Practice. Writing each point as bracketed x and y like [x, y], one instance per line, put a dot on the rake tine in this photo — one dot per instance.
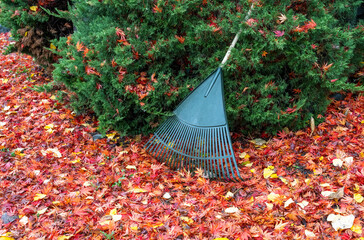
[178, 142]
[221, 155]
[198, 152]
[187, 149]
[228, 154]
[180, 159]
[223, 159]
[170, 143]
[215, 151]
[204, 145]
[154, 148]
[211, 156]
[192, 152]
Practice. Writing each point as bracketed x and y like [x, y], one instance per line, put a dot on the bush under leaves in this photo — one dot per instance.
[33, 28]
[132, 62]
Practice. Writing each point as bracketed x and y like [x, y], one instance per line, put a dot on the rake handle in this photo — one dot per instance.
[228, 53]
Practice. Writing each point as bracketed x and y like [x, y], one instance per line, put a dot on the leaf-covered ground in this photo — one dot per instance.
[59, 181]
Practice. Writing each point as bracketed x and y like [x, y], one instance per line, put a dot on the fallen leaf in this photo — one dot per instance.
[138, 190]
[288, 202]
[337, 162]
[33, 8]
[232, 210]
[273, 196]
[229, 195]
[357, 229]
[23, 220]
[267, 172]
[167, 196]
[64, 237]
[116, 218]
[40, 212]
[341, 222]
[303, 204]
[187, 220]
[309, 234]
[349, 160]
[358, 197]
[39, 196]
[131, 167]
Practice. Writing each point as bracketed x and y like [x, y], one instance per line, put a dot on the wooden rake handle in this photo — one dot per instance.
[228, 53]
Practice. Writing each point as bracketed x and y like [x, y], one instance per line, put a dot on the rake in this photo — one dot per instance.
[197, 135]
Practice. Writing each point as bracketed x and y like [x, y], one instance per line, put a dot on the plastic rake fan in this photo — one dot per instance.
[197, 135]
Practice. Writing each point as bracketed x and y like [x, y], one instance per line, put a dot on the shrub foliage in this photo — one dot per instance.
[33, 28]
[133, 61]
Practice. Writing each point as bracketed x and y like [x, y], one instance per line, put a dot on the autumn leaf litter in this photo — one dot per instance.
[57, 182]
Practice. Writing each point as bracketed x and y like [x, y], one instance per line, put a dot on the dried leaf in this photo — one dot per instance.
[232, 210]
[187, 220]
[39, 196]
[341, 222]
[337, 162]
[309, 234]
[358, 197]
[138, 190]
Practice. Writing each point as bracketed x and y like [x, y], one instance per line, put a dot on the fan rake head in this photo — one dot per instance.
[183, 146]
[197, 136]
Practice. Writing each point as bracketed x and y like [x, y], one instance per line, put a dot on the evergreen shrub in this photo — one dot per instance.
[33, 28]
[133, 61]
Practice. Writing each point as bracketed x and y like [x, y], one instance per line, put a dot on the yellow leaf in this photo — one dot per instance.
[274, 175]
[267, 172]
[64, 237]
[187, 220]
[56, 202]
[39, 196]
[284, 180]
[135, 228]
[307, 181]
[252, 170]
[40, 212]
[34, 8]
[49, 126]
[273, 196]
[52, 46]
[113, 211]
[25, 34]
[111, 135]
[6, 238]
[358, 197]
[104, 222]
[138, 190]
[158, 225]
[131, 167]
[357, 229]
[244, 155]
[75, 161]
[221, 239]
[53, 97]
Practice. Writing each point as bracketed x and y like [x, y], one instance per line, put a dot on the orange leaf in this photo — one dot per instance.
[157, 9]
[180, 39]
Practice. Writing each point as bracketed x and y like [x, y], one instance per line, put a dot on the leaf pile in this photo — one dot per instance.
[59, 181]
